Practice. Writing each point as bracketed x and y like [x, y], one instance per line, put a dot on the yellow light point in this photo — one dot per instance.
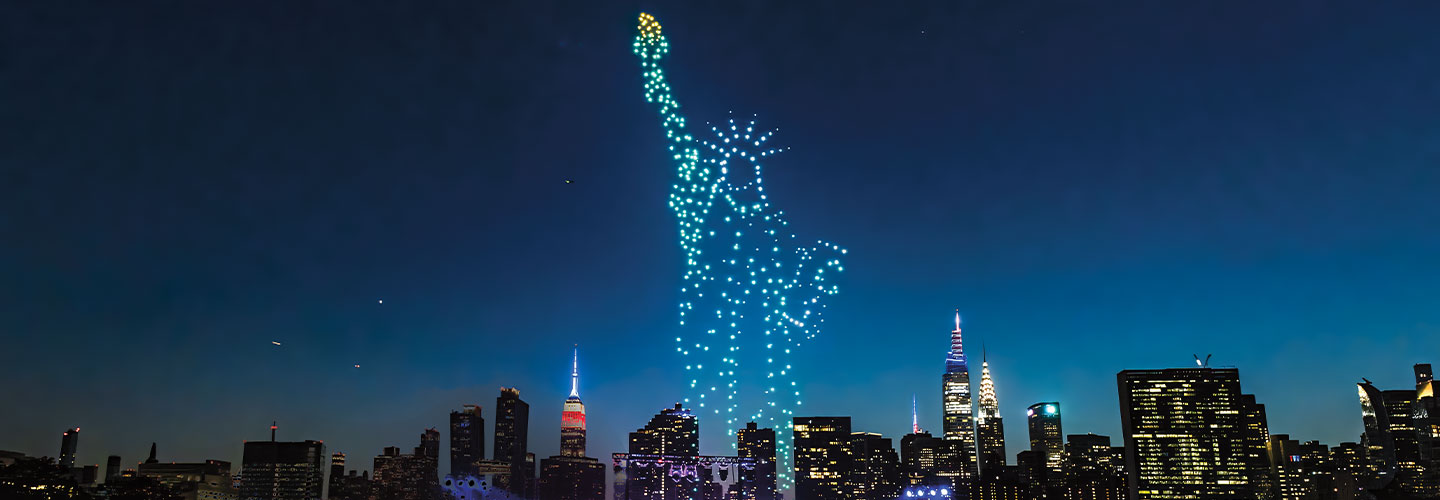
[649, 27]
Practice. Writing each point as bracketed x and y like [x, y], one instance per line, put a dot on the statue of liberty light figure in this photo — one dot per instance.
[751, 290]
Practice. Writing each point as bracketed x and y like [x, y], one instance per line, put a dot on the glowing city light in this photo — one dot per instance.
[750, 288]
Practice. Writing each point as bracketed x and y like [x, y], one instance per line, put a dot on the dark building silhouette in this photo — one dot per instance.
[822, 457]
[1047, 441]
[673, 432]
[958, 418]
[276, 470]
[874, 472]
[571, 478]
[467, 440]
[210, 479]
[409, 477]
[989, 427]
[1256, 436]
[1092, 469]
[1184, 433]
[759, 444]
[333, 484]
[512, 430]
[112, 467]
[152, 460]
[919, 456]
[69, 440]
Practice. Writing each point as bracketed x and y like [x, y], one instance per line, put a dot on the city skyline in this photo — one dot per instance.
[194, 246]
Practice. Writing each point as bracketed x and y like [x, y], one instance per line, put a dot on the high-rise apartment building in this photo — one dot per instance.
[822, 457]
[989, 427]
[958, 420]
[759, 444]
[277, 470]
[512, 430]
[1184, 433]
[467, 440]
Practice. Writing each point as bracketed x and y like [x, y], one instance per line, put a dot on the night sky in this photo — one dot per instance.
[1096, 186]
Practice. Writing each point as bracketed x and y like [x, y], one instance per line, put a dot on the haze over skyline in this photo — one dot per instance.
[198, 184]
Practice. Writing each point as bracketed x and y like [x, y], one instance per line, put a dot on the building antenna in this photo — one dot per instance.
[914, 415]
[272, 430]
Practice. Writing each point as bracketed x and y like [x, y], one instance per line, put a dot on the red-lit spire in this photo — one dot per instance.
[272, 430]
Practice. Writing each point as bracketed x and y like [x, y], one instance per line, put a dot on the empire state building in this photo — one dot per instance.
[572, 419]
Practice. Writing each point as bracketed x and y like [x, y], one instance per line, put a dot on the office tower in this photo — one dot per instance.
[68, 441]
[670, 442]
[822, 457]
[467, 440]
[210, 479]
[112, 467]
[337, 475]
[152, 460]
[572, 420]
[759, 444]
[1256, 438]
[512, 431]
[874, 472]
[1048, 442]
[958, 421]
[920, 457]
[1291, 481]
[429, 444]
[1427, 415]
[1394, 443]
[1350, 469]
[989, 427]
[673, 432]
[275, 470]
[1184, 433]
[1090, 469]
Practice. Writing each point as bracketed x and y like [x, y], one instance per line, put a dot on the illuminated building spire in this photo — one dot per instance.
[989, 405]
[575, 374]
[955, 362]
[914, 416]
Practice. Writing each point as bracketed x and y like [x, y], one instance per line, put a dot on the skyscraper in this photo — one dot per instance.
[337, 475]
[958, 422]
[1047, 440]
[512, 428]
[572, 420]
[274, 470]
[759, 444]
[874, 472]
[467, 440]
[68, 442]
[1184, 433]
[669, 443]
[989, 427]
[572, 475]
[673, 432]
[822, 457]
[920, 457]
[112, 467]
[1256, 436]
[1395, 441]
[1090, 469]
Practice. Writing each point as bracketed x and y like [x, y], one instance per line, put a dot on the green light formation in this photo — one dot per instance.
[751, 291]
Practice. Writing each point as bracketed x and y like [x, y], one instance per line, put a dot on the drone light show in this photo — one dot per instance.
[751, 290]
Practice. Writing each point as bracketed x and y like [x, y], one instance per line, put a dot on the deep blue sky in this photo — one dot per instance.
[1096, 186]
